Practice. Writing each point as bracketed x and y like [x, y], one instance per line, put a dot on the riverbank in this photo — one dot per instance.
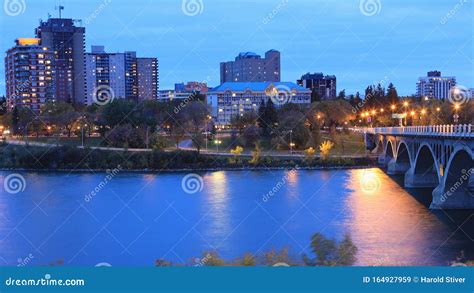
[72, 159]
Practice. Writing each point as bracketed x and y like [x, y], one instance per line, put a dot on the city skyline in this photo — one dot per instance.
[360, 48]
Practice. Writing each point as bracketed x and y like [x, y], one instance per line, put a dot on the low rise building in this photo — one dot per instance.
[235, 98]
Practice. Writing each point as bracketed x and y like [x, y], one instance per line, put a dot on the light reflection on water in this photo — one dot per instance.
[138, 218]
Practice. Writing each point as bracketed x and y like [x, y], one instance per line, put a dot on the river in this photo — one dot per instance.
[132, 219]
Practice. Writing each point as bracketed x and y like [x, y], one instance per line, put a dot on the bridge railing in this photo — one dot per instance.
[459, 130]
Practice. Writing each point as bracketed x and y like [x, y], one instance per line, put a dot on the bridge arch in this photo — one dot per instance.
[389, 153]
[403, 153]
[424, 171]
[459, 170]
[425, 162]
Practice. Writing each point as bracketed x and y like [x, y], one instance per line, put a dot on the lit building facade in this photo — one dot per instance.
[435, 86]
[29, 75]
[67, 41]
[126, 75]
[148, 78]
[250, 67]
[235, 98]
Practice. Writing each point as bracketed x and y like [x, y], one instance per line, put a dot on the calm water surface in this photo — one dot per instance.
[137, 218]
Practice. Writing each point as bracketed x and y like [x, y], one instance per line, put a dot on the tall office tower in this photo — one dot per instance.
[250, 67]
[29, 74]
[435, 86]
[324, 85]
[67, 41]
[147, 75]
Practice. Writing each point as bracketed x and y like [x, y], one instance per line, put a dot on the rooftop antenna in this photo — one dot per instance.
[59, 7]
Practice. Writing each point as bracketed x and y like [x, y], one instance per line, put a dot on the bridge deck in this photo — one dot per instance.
[461, 130]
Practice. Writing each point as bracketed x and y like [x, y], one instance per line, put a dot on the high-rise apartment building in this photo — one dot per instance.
[125, 75]
[250, 67]
[435, 86]
[324, 85]
[104, 70]
[148, 79]
[29, 74]
[67, 41]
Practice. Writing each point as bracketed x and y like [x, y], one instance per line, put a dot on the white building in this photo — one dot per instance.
[171, 95]
[435, 86]
[235, 98]
[104, 70]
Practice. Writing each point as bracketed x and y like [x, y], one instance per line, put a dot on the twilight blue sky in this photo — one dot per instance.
[402, 41]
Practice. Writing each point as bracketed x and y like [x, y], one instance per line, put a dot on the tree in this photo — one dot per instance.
[325, 148]
[15, 121]
[330, 253]
[341, 95]
[346, 252]
[61, 114]
[392, 95]
[240, 122]
[251, 135]
[269, 119]
[309, 154]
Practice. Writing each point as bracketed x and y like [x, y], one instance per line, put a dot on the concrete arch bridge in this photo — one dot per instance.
[438, 156]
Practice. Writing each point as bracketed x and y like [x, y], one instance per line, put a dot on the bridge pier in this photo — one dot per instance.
[417, 180]
[452, 198]
[397, 168]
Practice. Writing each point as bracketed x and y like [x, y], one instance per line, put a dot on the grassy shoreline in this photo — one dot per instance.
[72, 159]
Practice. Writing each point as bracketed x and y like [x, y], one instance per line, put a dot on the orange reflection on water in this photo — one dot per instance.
[386, 220]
